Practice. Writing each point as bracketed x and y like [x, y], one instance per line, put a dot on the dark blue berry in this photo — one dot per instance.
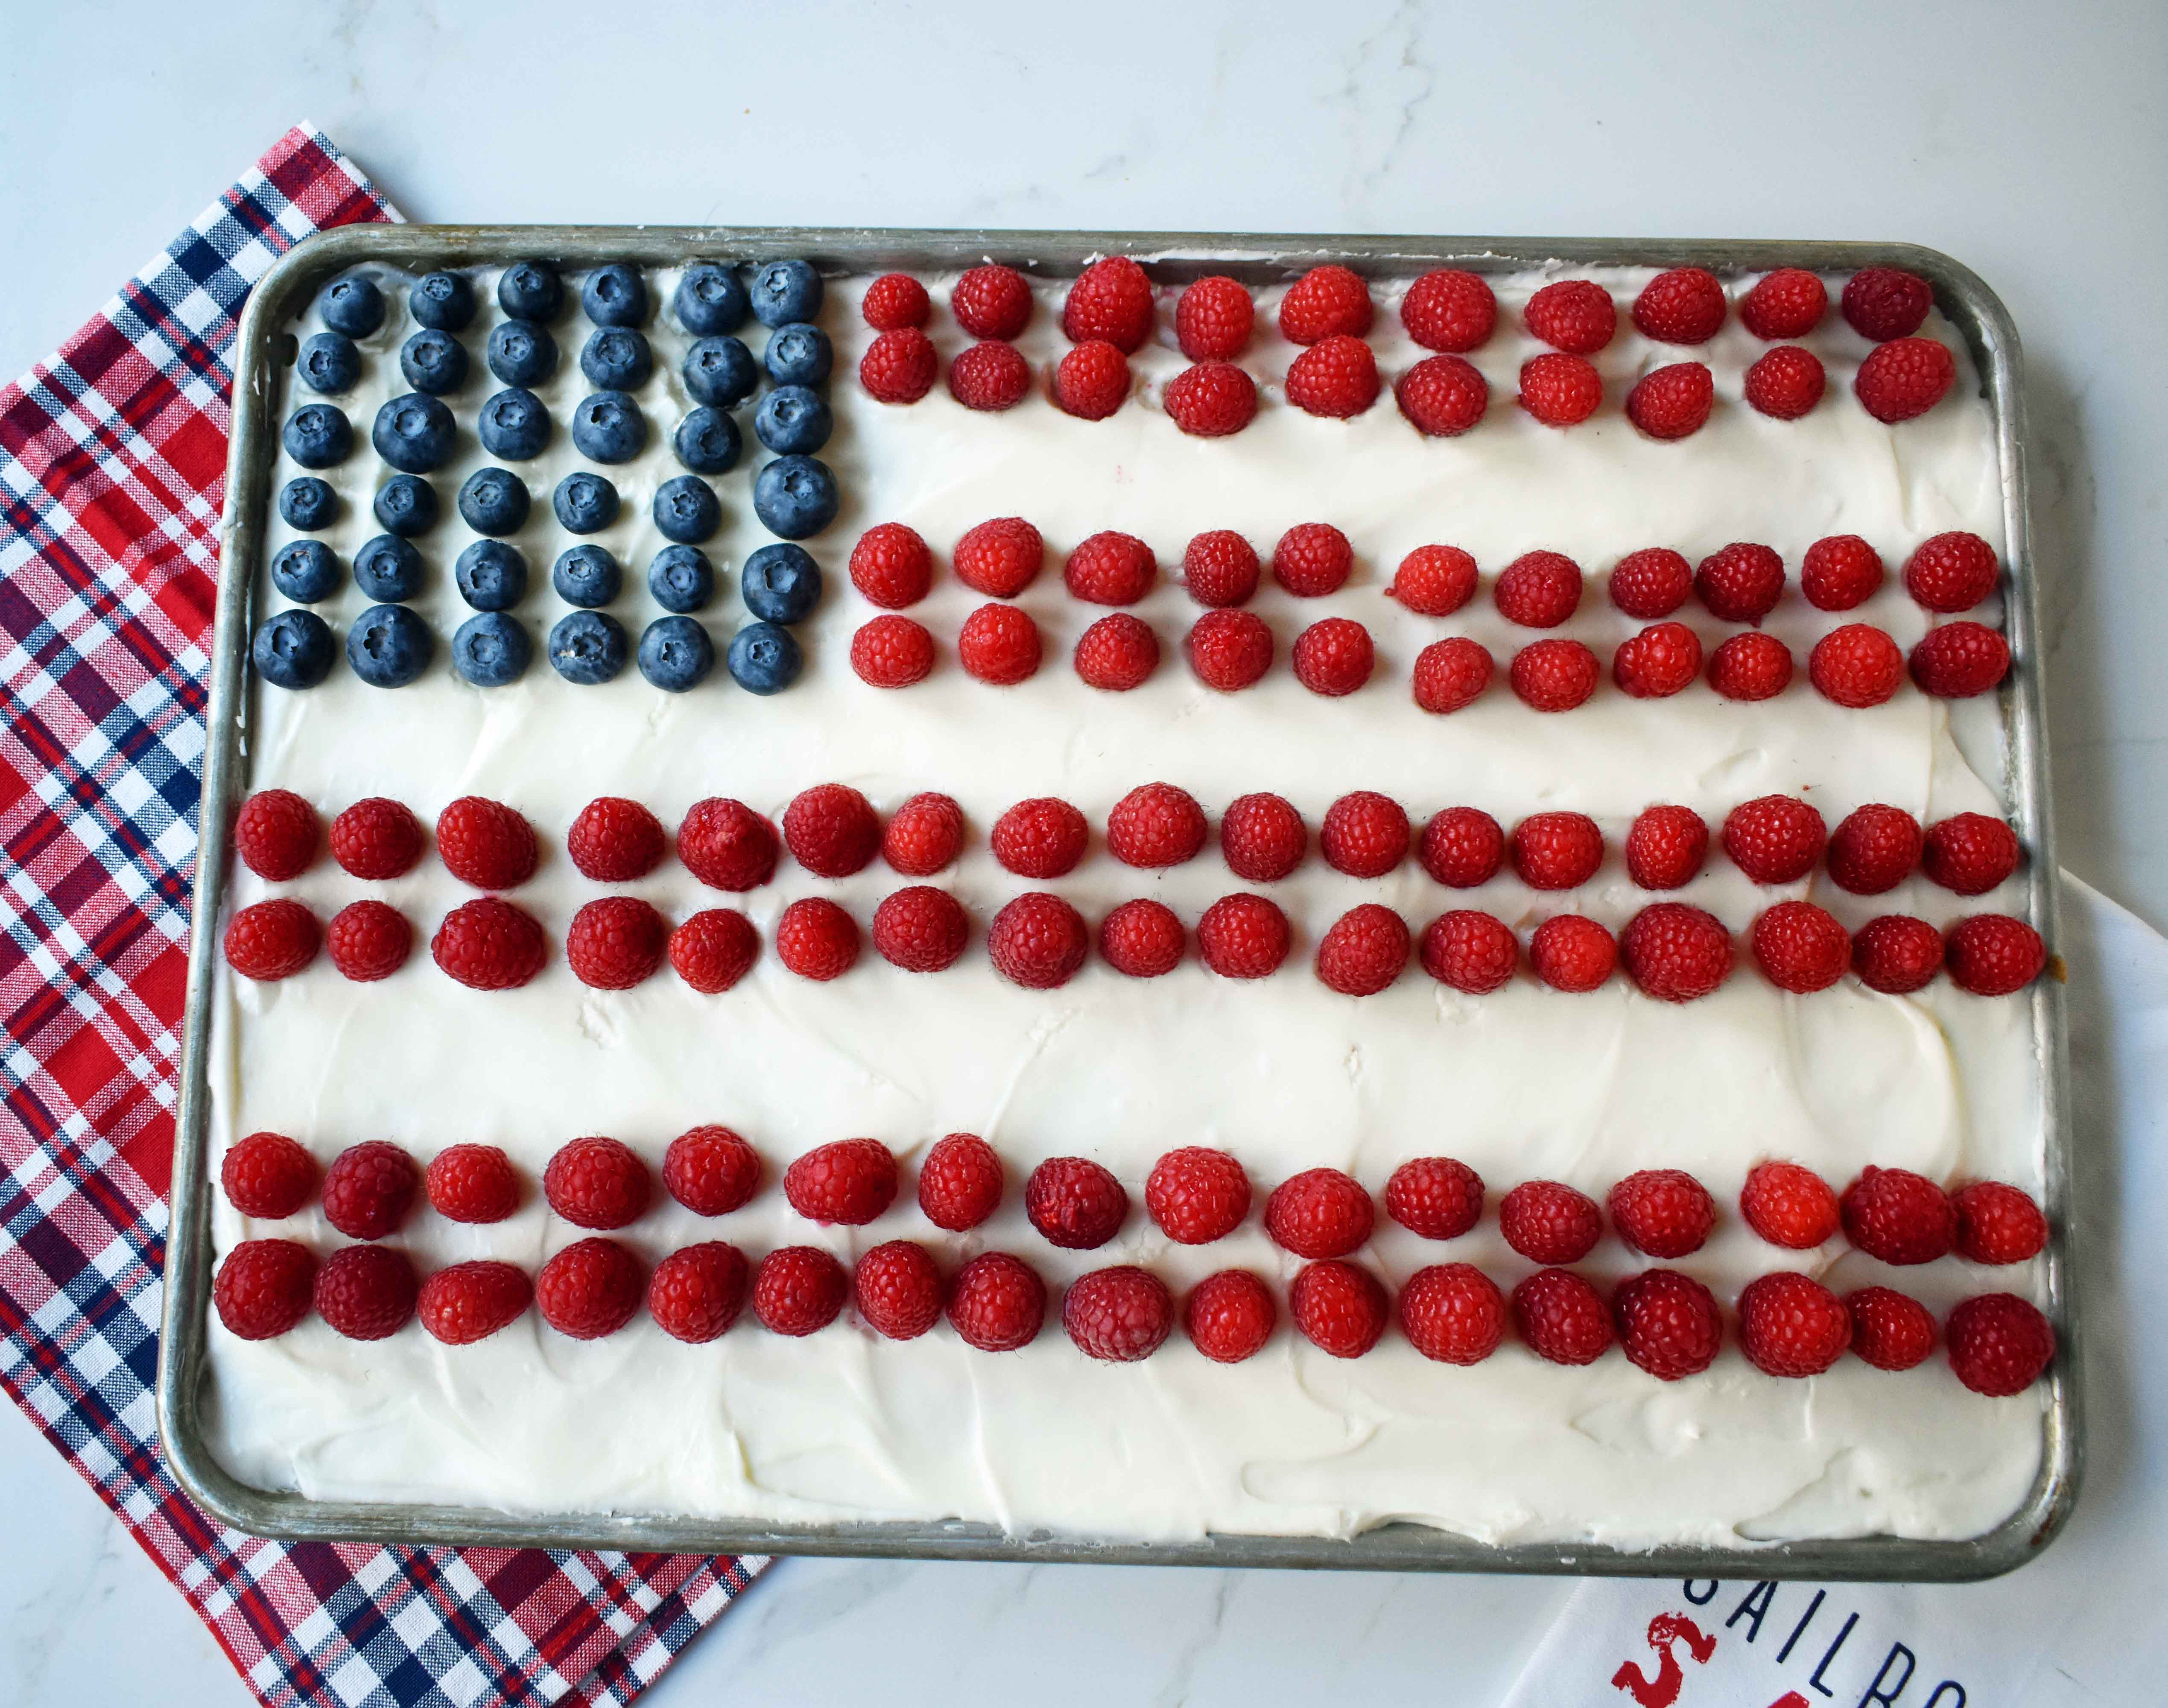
[711, 298]
[318, 436]
[720, 372]
[493, 501]
[442, 301]
[765, 659]
[530, 291]
[406, 505]
[616, 358]
[294, 649]
[585, 502]
[433, 362]
[781, 583]
[615, 296]
[308, 503]
[414, 433]
[587, 647]
[389, 646]
[387, 568]
[676, 654]
[352, 306]
[608, 427]
[707, 442]
[491, 650]
[681, 579]
[586, 576]
[784, 291]
[329, 363]
[306, 571]
[686, 510]
[794, 421]
[521, 351]
[795, 496]
[491, 575]
[797, 354]
[514, 425]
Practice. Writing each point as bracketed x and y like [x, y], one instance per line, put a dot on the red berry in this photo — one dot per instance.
[1574, 315]
[468, 1302]
[368, 1188]
[1336, 378]
[1211, 400]
[1999, 1343]
[1262, 839]
[1562, 1317]
[485, 844]
[1991, 955]
[999, 644]
[1875, 850]
[1668, 1324]
[1665, 848]
[614, 841]
[892, 565]
[368, 941]
[1959, 660]
[1774, 838]
[1313, 559]
[1538, 589]
[1213, 318]
[1952, 572]
[1320, 1213]
[366, 1292]
[1449, 310]
[1786, 383]
[1120, 1314]
[489, 944]
[920, 930]
[1969, 852]
[1434, 580]
[615, 942]
[998, 1303]
[1243, 936]
[1665, 1212]
[472, 1184]
[899, 367]
[892, 652]
[1791, 1325]
[1470, 951]
[1197, 1194]
[924, 835]
[1801, 948]
[1741, 584]
[991, 376]
[1340, 1308]
[959, 1183]
[1462, 847]
[1559, 390]
[1110, 569]
[1662, 660]
[1365, 834]
[1000, 558]
[1685, 305]
[1855, 666]
[991, 302]
[1363, 950]
[1554, 675]
[376, 839]
[1092, 381]
[597, 1183]
[1155, 825]
[1675, 953]
[1903, 379]
[728, 846]
[1141, 939]
[1998, 1224]
[1556, 850]
[897, 1289]
[1788, 1205]
[1546, 1222]
[1896, 954]
[1324, 301]
[1573, 954]
[1671, 402]
[798, 1289]
[1040, 839]
[1435, 1197]
[1884, 303]
[1230, 649]
[1228, 1316]
[1038, 941]
[1334, 658]
[711, 1170]
[713, 949]
[1112, 299]
[1220, 569]
[1839, 572]
[267, 1176]
[1898, 1217]
[1443, 397]
[263, 1287]
[1117, 653]
[276, 833]
[1077, 1204]
[832, 830]
[894, 301]
[816, 940]
[272, 940]
[1750, 665]
[1788, 303]
[1451, 674]
[1452, 1313]
[1890, 1330]
[697, 1292]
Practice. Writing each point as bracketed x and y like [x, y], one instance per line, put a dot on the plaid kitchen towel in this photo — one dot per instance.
[112, 474]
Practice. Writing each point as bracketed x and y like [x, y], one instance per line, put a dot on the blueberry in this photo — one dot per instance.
[306, 571]
[329, 363]
[389, 646]
[354, 306]
[514, 425]
[292, 649]
[406, 505]
[585, 503]
[781, 583]
[616, 358]
[587, 647]
[794, 496]
[388, 568]
[530, 291]
[720, 372]
[686, 510]
[707, 442]
[615, 296]
[586, 576]
[493, 501]
[608, 427]
[681, 579]
[797, 354]
[794, 421]
[521, 352]
[443, 303]
[676, 654]
[308, 503]
[784, 291]
[711, 298]
[433, 362]
[491, 575]
[414, 433]
[318, 435]
[765, 659]
[491, 650]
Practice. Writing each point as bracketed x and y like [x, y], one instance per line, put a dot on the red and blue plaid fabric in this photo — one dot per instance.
[112, 474]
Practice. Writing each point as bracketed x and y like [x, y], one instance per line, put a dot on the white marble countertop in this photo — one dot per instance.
[2023, 146]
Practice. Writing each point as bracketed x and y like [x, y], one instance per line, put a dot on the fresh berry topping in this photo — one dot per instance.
[697, 1291]
[1262, 839]
[1443, 397]
[1451, 674]
[1546, 1222]
[798, 1289]
[832, 830]
[1675, 953]
[272, 940]
[1556, 850]
[1788, 1205]
[1788, 303]
[1665, 848]
[1571, 953]
[1906, 379]
[1436, 1197]
[376, 839]
[1320, 1213]
[1092, 381]
[1538, 589]
[1000, 558]
[711, 1170]
[1213, 319]
[1112, 299]
[1324, 301]
[1875, 850]
[1038, 941]
[1896, 954]
[959, 1183]
[615, 942]
[1363, 950]
[1559, 390]
[1077, 1204]
[998, 1303]
[1110, 569]
[1554, 675]
[999, 644]
[472, 1183]
[1211, 400]
[1671, 402]
[1562, 1317]
[1340, 1308]
[1668, 1324]
[1313, 559]
[489, 944]
[816, 940]
[924, 835]
[991, 302]
[1155, 825]
[1786, 383]
[1839, 572]
[1952, 572]
[1741, 584]
[1220, 569]
[485, 844]
[1452, 1313]
[1243, 936]
[728, 846]
[1890, 1329]
[1791, 1325]
[891, 566]
[1197, 1194]
[1449, 310]
[713, 949]
[263, 1287]
[1117, 653]
[1999, 1343]
[1334, 658]
[1898, 1216]
[1462, 847]
[368, 940]
[1992, 955]
[1470, 950]
[897, 1289]
[1574, 315]
[1230, 649]
[894, 301]
[892, 652]
[1998, 1224]
[1120, 1314]
[1884, 303]
[1683, 307]
[1959, 660]
[1040, 838]
[368, 1188]
[1775, 838]
[899, 367]
[597, 1183]
[1665, 1212]
[1855, 666]
[1662, 660]
[1229, 1316]
[1336, 379]
[1434, 580]
[1365, 834]
[1801, 948]
[990, 376]
[468, 1302]
[1969, 852]
[614, 841]
[1141, 939]
[277, 834]
[267, 1176]
[920, 930]
[366, 1292]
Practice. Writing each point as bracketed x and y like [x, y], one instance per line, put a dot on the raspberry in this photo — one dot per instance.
[1839, 572]
[276, 833]
[1229, 650]
[991, 302]
[1788, 1205]
[1336, 378]
[1313, 559]
[1998, 1224]
[999, 644]
[1671, 402]
[489, 945]
[713, 949]
[366, 1292]
[1141, 939]
[468, 1302]
[998, 1303]
[1451, 674]
[1650, 583]
[597, 1183]
[1443, 397]
[1228, 1316]
[1952, 572]
[1452, 1313]
[798, 1289]
[376, 839]
[1334, 657]
[1469, 951]
[1556, 850]
[1900, 380]
[1685, 305]
[1969, 852]
[959, 1183]
[1665, 1212]
[832, 830]
[1040, 839]
[1553, 675]
[894, 301]
[615, 943]
[1196, 1195]
[1155, 825]
[267, 1176]
[990, 376]
[272, 940]
[892, 652]
[1896, 954]
[1435, 1197]
[1573, 954]
[1801, 948]
[891, 566]
[1365, 834]
[1111, 300]
[1213, 318]
[1077, 1204]
[1340, 1308]
[485, 844]
[1117, 653]
[1786, 383]
[1741, 584]
[1668, 1324]
[1562, 1317]
[924, 835]
[1662, 660]
[1462, 847]
[697, 1291]
[614, 841]
[711, 1170]
[1675, 953]
[1546, 1222]
[1220, 569]
[1092, 381]
[1320, 1213]
[1262, 839]
[816, 940]
[1790, 1325]
[1999, 1343]
[1875, 850]
[920, 930]
[368, 1188]
[1788, 303]
[726, 845]
[472, 1184]
[1110, 569]
[1324, 301]
[1855, 666]
[1559, 390]
[1538, 589]
[1038, 941]
[368, 941]
[1434, 580]
[1991, 955]
[1890, 1330]
[1211, 400]
[1958, 660]
[899, 367]
[1574, 315]
[1898, 1217]
[1363, 950]
[1120, 1314]
[1774, 838]
[1243, 936]
[1665, 848]
[1884, 303]
[1750, 665]
[897, 1289]
[1000, 558]
[263, 1287]
[1449, 310]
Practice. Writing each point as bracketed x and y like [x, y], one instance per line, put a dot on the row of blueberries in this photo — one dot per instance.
[496, 503]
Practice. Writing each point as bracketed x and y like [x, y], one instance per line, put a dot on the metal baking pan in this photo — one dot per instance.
[1978, 316]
